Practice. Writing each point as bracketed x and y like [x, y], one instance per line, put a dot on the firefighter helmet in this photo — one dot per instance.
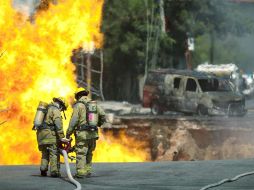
[81, 92]
[62, 101]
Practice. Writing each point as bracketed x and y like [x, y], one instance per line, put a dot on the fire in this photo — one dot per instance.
[127, 149]
[35, 65]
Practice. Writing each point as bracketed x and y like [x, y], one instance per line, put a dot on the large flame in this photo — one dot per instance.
[35, 65]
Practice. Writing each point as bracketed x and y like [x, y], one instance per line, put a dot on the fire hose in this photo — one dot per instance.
[65, 147]
[227, 180]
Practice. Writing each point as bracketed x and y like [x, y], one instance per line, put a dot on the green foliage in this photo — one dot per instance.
[134, 40]
[202, 49]
[131, 28]
[210, 23]
[124, 29]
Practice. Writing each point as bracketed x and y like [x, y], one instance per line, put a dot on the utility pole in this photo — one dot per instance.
[188, 52]
[88, 74]
[147, 38]
[82, 63]
[188, 59]
[89, 49]
[162, 15]
[101, 76]
[86, 64]
[160, 28]
[212, 47]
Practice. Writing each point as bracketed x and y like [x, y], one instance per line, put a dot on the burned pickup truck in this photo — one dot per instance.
[191, 92]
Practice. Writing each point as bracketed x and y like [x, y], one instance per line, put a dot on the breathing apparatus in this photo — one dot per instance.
[42, 111]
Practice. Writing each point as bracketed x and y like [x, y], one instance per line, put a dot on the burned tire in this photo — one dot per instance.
[202, 110]
[155, 109]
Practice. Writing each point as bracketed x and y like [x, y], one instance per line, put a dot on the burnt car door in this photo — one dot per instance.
[168, 91]
[190, 100]
[177, 96]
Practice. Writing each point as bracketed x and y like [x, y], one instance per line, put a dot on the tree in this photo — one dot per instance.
[133, 41]
[204, 20]
[125, 30]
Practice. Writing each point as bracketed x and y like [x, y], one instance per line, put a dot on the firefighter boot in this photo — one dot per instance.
[43, 173]
[55, 174]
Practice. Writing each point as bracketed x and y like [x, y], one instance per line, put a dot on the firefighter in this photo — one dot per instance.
[87, 116]
[49, 132]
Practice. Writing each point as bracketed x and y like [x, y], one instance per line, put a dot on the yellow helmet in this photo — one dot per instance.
[62, 101]
[81, 92]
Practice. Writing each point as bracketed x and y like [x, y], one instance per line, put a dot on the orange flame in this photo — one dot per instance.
[35, 65]
[121, 148]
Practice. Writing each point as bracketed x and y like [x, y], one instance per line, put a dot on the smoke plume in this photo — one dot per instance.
[26, 7]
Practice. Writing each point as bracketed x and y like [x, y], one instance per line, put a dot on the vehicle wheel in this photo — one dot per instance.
[155, 109]
[202, 110]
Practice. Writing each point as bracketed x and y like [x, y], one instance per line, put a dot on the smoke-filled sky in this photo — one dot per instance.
[246, 46]
[234, 44]
[25, 6]
[246, 43]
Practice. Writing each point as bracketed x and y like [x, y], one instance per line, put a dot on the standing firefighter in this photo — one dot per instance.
[87, 116]
[49, 126]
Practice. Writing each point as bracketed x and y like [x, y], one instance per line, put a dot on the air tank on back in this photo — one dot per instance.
[40, 114]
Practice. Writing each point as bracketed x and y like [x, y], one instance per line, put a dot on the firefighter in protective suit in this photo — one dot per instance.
[48, 136]
[87, 116]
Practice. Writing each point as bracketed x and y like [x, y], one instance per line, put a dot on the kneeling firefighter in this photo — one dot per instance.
[87, 116]
[49, 126]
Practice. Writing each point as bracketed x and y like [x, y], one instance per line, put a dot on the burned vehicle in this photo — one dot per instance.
[191, 92]
[243, 82]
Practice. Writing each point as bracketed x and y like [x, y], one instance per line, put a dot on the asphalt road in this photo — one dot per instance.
[192, 175]
[189, 175]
